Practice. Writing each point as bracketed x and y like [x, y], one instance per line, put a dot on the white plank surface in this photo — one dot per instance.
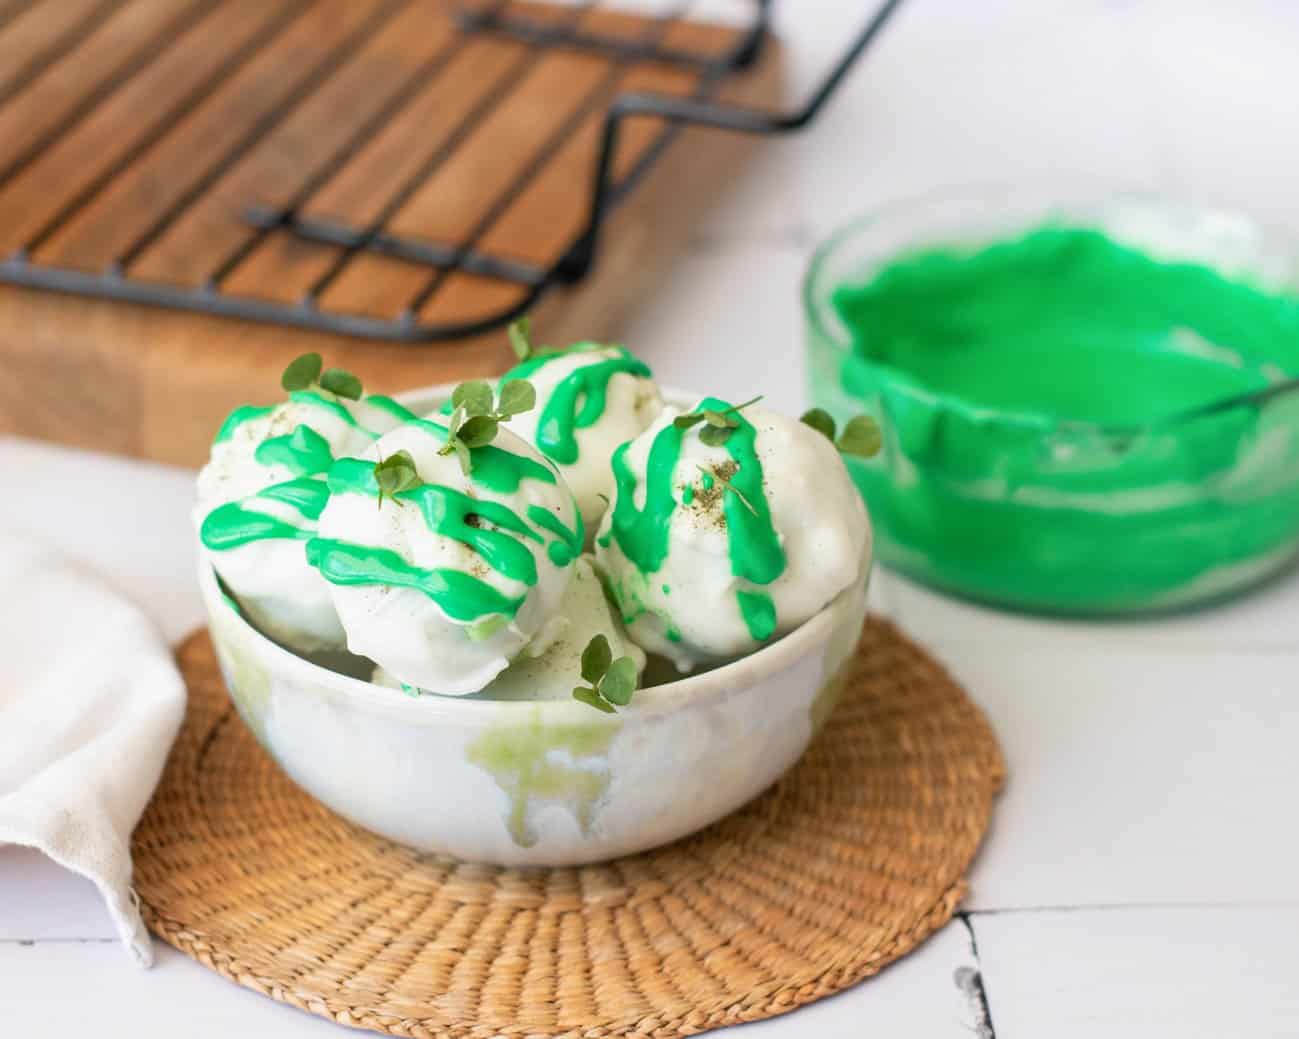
[1138, 777]
[1203, 973]
[58, 989]
[39, 900]
[1152, 763]
[116, 1000]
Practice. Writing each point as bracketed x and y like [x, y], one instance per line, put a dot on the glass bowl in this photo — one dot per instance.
[1025, 509]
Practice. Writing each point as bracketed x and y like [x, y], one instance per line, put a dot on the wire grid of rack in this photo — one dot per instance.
[265, 159]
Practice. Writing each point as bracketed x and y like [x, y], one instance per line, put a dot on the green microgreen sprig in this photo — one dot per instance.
[610, 683]
[725, 481]
[477, 414]
[720, 424]
[304, 371]
[520, 333]
[861, 437]
[394, 474]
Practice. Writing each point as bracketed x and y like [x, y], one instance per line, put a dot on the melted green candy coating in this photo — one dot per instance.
[308, 495]
[239, 523]
[759, 612]
[568, 545]
[243, 413]
[502, 544]
[1070, 324]
[756, 553]
[386, 404]
[493, 467]
[302, 452]
[1036, 395]
[232, 525]
[448, 512]
[578, 400]
[460, 596]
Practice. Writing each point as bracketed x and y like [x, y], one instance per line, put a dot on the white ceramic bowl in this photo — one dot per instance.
[545, 783]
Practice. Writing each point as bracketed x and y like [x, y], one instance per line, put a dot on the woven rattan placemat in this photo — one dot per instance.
[848, 863]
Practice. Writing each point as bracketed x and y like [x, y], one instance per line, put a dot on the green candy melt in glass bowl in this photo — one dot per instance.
[1089, 402]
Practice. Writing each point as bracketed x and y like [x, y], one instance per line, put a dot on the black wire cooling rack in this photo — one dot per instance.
[25, 264]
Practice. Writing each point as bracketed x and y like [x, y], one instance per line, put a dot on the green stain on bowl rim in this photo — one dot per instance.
[536, 763]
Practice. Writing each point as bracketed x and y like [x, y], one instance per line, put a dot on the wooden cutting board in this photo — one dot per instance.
[137, 133]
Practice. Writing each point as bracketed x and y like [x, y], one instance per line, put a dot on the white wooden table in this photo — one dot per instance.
[1142, 874]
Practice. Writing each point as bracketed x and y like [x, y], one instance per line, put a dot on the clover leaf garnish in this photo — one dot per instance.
[304, 372]
[341, 383]
[610, 683]
[477, 414]
[395, 473]
[861, 437]
[720, 424]
[820, 420]
[520, 333]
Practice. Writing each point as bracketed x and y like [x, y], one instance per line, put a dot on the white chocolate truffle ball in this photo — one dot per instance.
[443, 585]
[713, 551]
[260, 495]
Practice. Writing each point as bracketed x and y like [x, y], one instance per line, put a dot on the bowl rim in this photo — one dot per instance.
[1077, 191]
[698, 689]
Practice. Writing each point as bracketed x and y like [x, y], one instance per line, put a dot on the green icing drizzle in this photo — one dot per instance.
[756, 553]
[236, 418]
[307, 494]
[302, 452]
[316, 399]
[759, 613]
[460, 596]
[578, 400]
[446, 511]
[235, 524]
[534, 763]
[642, 534]
[493, 467]
[499, 540]
[754, 545]
[387, 404]
[569, 545]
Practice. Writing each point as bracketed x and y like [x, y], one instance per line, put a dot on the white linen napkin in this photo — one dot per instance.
[89, 705]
